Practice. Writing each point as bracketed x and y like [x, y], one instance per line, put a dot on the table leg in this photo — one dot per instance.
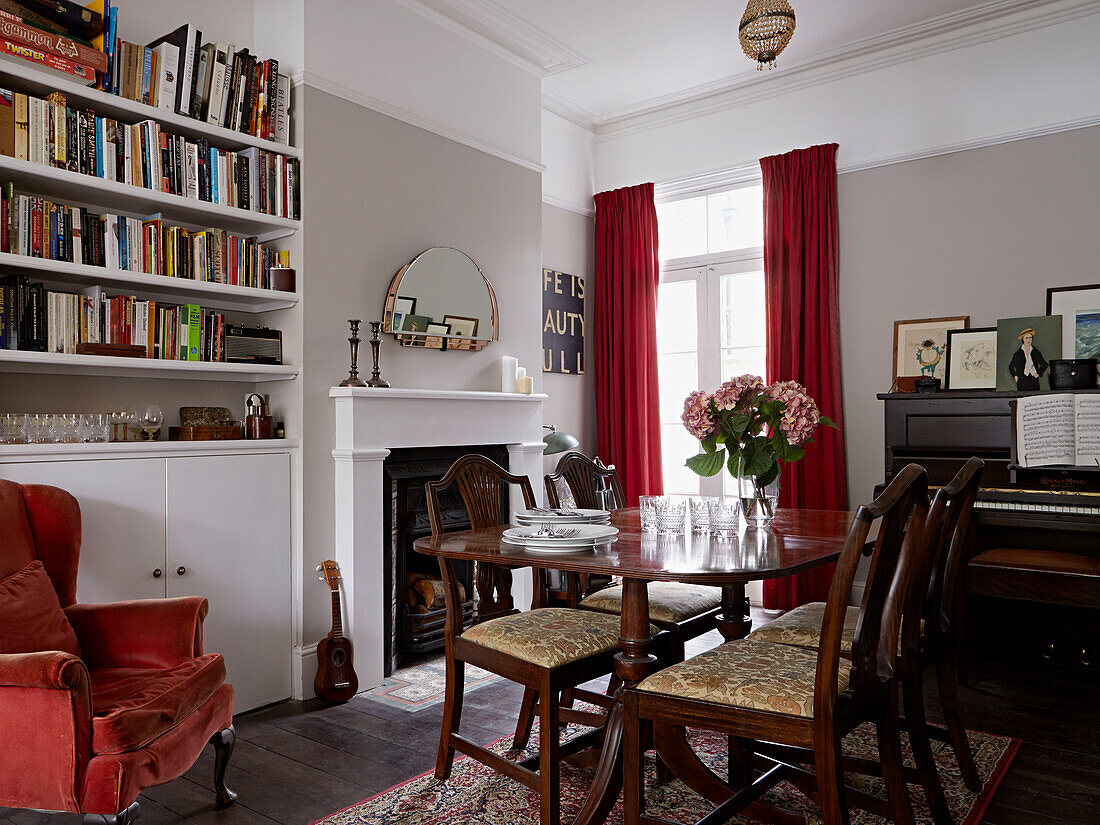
[734, 621]
[632, 664]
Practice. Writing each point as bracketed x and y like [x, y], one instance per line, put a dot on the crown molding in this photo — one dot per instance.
[325, 84]
[588, 211]
[502, 32]
[715, 181]
[978, 24]
[570, 108]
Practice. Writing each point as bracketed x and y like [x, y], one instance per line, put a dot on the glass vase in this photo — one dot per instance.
[758, 501]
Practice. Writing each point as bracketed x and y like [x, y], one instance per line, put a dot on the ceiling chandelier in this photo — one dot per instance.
[766, 28]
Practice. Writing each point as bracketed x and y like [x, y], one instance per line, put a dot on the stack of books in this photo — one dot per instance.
[213, 82]
[50, 132]
[35, 319]
[40, 228]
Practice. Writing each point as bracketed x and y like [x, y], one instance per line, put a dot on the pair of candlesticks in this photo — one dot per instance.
[353, 379]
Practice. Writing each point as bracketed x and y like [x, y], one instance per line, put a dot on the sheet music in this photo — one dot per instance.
[1088, 429]
[1045, 430]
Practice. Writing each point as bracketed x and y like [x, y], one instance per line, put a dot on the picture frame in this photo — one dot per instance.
[416, 323]
[461, 326]
[397, 320]
[1079, 307]
[437, 336]
[405, 306]
[920, 345]
[972, 359]
[1023, 365]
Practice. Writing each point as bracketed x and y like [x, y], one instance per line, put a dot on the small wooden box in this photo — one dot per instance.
[116, 350]
[206, 432]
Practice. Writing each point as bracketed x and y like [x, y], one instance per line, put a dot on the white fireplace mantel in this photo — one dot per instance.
[372, 422]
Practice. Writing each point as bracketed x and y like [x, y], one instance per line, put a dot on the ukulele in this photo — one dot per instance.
[336, 680]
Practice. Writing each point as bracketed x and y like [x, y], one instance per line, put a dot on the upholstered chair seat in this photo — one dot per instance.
[549, 637]
[802, 627]
[671, 602]
[747, 673]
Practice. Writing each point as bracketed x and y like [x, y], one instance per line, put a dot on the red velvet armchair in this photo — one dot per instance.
[97, 702]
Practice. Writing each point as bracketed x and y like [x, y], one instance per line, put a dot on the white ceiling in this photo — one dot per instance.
[614, 58]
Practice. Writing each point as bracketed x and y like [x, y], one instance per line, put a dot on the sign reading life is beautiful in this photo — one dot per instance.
[562, 323]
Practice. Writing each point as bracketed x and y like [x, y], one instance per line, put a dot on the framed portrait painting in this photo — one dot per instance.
[461, 326]
[972, 359]
[920, 346]
[1025, 348]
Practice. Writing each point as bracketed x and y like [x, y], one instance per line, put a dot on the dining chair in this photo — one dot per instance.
[764, 692]
[547, 650]
[928, 636]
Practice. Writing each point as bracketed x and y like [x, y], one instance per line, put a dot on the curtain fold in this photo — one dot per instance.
[800, 275]
[628, 427]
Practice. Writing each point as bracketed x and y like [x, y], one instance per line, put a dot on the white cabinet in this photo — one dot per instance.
[173, 524]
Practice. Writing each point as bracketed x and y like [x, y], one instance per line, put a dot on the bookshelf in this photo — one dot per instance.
[113, 196]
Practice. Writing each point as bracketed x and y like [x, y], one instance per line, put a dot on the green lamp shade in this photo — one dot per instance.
[558, 442]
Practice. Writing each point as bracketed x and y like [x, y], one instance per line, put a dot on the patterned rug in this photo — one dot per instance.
[475, 795]
[422, 685]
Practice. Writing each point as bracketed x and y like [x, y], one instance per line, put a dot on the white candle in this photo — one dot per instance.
[526, 384]
[509, 367]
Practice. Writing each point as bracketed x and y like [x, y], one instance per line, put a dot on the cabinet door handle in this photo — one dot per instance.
[157, 573]
[181, 570]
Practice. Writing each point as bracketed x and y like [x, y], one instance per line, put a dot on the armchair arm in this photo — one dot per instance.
[45, 725]
[150, 633]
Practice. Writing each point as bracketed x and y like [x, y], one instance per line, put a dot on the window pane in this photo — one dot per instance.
[677, 446]
[736, 219]
[742, 297]
[677, 317]
[677, 375]
[743, 360]
[682, 228]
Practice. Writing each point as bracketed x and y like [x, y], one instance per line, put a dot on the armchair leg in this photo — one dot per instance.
[124, 817]
[223, 742]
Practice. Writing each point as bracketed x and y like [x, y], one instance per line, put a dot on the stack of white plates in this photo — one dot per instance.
[559, 538]
[561, 515]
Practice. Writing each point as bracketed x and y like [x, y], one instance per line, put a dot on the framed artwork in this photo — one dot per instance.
[397, 321]
[406, 306]
[436, 333]
[460, 326]
[416, 323]
[1025, 348]
[1079, 307]
[563, 322]
[920, 346]
[972, 359]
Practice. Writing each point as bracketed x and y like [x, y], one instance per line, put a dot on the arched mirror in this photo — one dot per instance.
[440, 300]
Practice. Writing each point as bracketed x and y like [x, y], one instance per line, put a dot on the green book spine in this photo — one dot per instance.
[193, 314]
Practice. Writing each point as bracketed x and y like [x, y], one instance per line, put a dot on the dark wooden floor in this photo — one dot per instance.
[298, 761]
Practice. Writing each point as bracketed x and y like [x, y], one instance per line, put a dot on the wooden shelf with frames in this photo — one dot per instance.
[64, 275]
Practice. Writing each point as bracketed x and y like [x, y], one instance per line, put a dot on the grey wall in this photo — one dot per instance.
[980, 233]
[568, 245]
[378, 192]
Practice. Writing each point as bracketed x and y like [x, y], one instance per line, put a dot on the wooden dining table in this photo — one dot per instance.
[797, 540]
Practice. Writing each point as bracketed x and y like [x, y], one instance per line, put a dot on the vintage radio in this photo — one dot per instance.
[253, 345]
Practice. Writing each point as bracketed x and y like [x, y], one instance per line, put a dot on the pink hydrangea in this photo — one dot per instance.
[696, 416]
[800, 412]
[731, 393]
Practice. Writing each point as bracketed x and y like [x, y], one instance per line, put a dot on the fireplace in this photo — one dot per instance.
[415, 619]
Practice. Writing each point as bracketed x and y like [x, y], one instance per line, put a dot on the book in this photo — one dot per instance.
[206, 76]
[215, 100]
[1058, 429]
[185, 41]
[167, 70]
[7, 122]
[22, 146]
[282, 111]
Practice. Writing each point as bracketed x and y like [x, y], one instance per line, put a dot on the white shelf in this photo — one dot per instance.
[11, 453]
[156, 287]
[113, 196]
[41, 83]
[54, 363]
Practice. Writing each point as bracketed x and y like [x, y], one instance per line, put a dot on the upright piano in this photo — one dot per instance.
[1032, 582]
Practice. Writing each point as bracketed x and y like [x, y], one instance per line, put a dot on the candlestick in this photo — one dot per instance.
[353, 379]
[375, 343]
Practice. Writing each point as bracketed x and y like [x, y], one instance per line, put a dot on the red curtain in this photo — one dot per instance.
[800, 274]
[628, 427]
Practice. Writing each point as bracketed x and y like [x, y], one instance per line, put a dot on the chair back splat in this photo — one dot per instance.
[582, 475]
[479, 482]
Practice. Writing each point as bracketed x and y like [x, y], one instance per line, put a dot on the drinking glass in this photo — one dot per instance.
[38, 428]
[150, 422]
[66, 428]
[126, 417]
[647, 506]
[700, 513]
[12, 428]
[671, 515]
[724, 516]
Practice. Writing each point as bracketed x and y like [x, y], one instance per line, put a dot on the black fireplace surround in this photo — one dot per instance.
[405, 471]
